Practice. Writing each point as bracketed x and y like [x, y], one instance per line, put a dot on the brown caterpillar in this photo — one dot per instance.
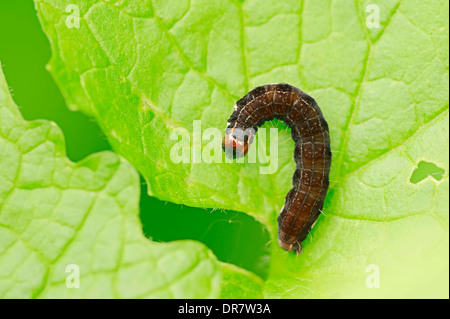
[312, 152]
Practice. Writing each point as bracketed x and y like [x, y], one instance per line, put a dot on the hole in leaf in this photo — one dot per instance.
[234, 237]
[425, 169]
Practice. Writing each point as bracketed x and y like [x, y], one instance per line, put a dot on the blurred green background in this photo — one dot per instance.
[24, 51]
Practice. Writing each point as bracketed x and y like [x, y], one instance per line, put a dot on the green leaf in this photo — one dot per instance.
[144, 68]
[55, 213]
[239, 283]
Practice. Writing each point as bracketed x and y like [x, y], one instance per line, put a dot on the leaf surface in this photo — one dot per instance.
[56, 215]
[144, 68]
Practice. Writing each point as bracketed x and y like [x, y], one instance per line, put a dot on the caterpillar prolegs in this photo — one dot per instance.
[312, 152]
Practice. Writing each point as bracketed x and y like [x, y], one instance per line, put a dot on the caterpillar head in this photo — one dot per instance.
[295, 246]
[236, 142]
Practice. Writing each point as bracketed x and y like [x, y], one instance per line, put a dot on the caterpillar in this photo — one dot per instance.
[312, 153]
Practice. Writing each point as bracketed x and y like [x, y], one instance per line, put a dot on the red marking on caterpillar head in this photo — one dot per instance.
[234, 147]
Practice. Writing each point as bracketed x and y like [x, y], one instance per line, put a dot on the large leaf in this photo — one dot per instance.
[55, 213]
[144, 68]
